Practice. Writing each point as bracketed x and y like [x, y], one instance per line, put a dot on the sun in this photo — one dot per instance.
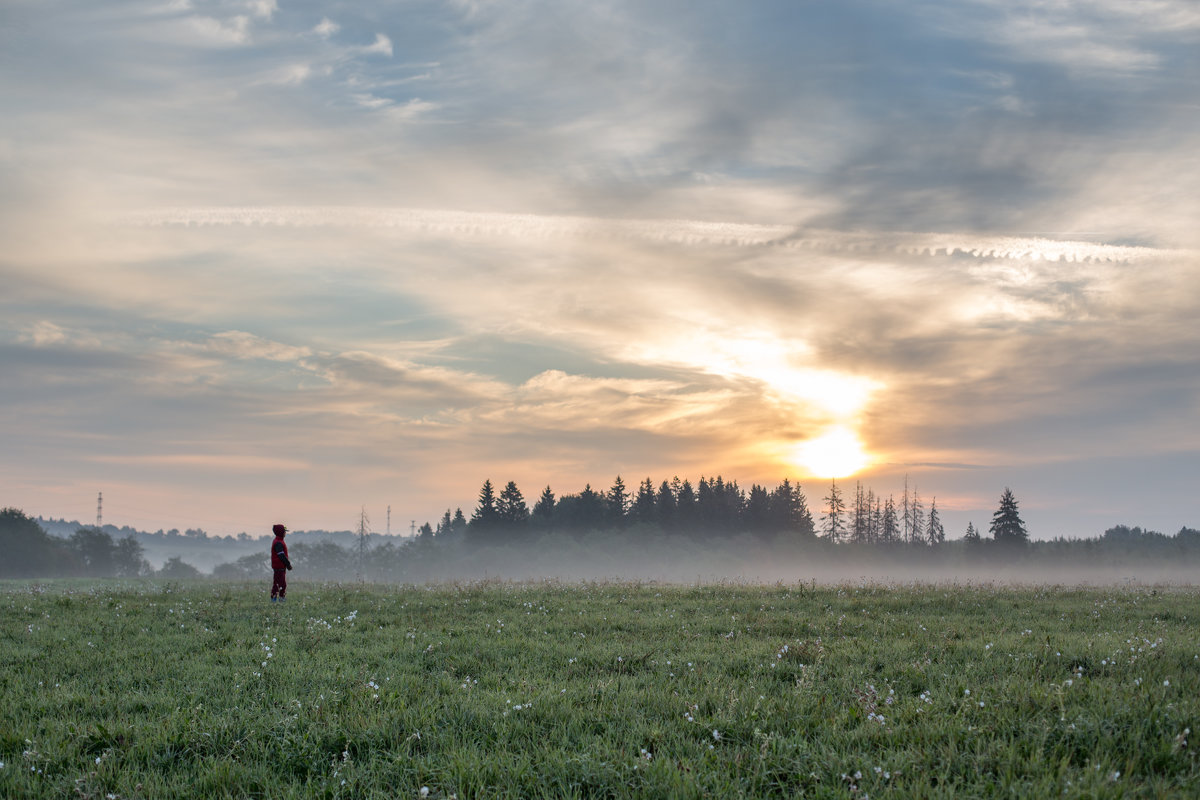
[834, 454]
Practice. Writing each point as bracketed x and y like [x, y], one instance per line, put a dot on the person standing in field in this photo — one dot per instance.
[280, 564]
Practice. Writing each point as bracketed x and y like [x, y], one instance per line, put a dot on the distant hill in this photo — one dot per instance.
[204, 551]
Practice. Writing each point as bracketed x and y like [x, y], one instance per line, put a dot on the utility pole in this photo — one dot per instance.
[363, 529]
[412, 529]
[99, 510]
[389, 524]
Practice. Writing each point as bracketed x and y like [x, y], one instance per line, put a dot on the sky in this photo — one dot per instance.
[270, 261]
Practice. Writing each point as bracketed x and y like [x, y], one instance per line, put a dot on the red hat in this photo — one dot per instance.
[279, 530]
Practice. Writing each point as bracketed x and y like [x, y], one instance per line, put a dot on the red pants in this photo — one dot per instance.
[279, 585]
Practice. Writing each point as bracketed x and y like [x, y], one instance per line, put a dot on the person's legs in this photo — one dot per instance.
[279, 585]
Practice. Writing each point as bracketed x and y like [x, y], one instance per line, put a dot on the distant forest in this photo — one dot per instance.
[672, 529]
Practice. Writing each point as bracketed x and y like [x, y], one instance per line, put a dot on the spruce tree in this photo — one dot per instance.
[511, 509]
[891, 525]
[804, 524]
[934, 530]
[1007, 525]
[592, 510]
[643, 509]
[543, 510]
[917, 510]
[664, 505]
[756, 515]
[835, 507]
[876, 519]
[485, 515]
[861, 517]
[618, 502]
[685, 506]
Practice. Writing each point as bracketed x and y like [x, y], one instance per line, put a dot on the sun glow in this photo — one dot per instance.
[834, 454]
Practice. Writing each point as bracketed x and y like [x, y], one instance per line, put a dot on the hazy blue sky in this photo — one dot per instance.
[273, 261]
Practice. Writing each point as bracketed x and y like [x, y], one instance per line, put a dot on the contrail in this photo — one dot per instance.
[446, 223]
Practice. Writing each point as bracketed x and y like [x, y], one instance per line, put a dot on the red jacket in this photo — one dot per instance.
[279, 554]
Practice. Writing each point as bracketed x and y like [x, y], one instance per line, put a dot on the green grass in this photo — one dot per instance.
[598, 690]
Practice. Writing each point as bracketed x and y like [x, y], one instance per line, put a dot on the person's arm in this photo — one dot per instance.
[281, 551]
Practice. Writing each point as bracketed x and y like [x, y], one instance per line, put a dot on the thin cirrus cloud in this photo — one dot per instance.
[555, 242]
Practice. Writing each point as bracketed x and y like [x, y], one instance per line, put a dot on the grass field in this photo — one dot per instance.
[598, 690]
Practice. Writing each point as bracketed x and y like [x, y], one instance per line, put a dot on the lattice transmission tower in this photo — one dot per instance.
[363, 530]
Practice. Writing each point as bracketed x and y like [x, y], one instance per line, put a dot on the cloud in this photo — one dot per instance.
[240, 344]
[244, 464]
[326, 28]
[211, 31]
[263, 9]
[43, 333]
[381, 46]
[1030, 250]
[1086, 36]
[289, 75]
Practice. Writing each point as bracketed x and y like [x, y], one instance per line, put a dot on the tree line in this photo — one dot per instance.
[715, 506]
[711, 506]
[87, 553]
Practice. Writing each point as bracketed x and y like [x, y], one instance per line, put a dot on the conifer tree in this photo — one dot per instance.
[756, 515]
[685, 505]
[592, 510]
[891, 525]
[511, 509]
[861, 517]
[704, 502]
[804, 518]
[972, 535]
[664, 505]
[917, 510]
[835, 507]
[543, 509]
[1007, 525]
[876, 519]
[485, 515]
[934, 530]
[618, 502]
[643, 509]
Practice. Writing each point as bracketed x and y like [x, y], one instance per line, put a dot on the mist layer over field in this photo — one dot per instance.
[741, 560]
